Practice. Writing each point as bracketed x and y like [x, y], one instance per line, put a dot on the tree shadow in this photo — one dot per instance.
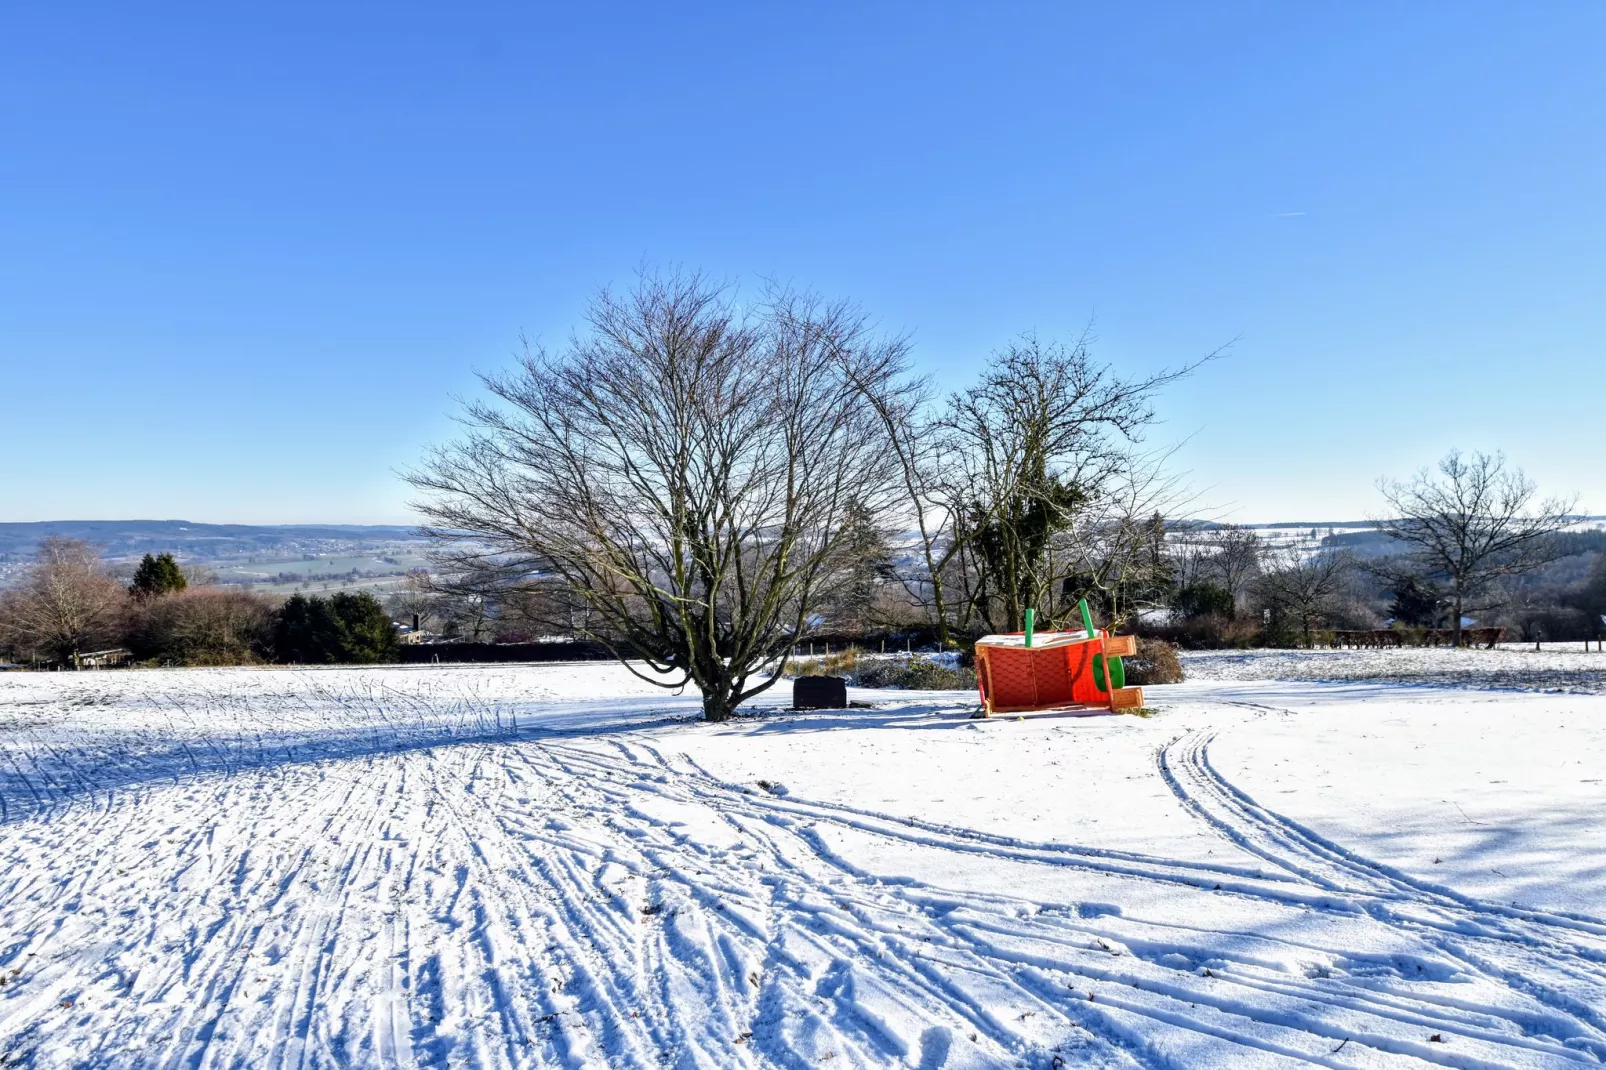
[52, 763]
[897, 710]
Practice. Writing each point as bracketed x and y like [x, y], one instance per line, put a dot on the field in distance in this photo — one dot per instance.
[274, 559]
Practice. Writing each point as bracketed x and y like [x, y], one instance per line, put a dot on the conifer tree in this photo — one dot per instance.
[865, 564]
[158, 575]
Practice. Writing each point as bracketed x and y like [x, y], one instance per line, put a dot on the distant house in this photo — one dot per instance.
[410, 633]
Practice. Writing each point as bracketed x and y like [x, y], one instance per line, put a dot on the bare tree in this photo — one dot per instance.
[1114, 550]
[464, 609]
[1189, 553]
[1472, 523]
[1305, 586]
[1234, 554]
[65, 602]
[683, 469]
[921, 447]
[1041, 436]
[416, 597]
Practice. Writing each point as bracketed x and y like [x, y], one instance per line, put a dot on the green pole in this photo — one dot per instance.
[1098, 659]
[1031, 620]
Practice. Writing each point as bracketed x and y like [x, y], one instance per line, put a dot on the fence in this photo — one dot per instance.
[446, 653]
[1375, 638]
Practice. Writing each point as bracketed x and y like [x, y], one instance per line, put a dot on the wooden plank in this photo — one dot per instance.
[1126, 698]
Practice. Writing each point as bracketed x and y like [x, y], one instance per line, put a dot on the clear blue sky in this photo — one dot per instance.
[247, 255]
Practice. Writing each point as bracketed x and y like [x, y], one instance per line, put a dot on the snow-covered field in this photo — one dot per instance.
[553, 865]
[1565, 667]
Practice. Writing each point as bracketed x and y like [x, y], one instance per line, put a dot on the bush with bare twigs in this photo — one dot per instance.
[1156, 662]
[203, 626]
[65, 604]
[905, 672]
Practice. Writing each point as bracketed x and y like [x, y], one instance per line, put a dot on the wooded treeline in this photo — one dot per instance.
[68, 605]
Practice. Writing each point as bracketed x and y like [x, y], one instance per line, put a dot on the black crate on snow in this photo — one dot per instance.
[820, 693]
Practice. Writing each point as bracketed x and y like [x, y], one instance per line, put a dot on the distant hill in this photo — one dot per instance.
[199, 542]
[286, 558]
[273, 558]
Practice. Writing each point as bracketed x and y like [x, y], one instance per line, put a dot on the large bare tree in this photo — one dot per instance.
[682, 470]
[65, 603]
[1046, 431]
[1473, 522]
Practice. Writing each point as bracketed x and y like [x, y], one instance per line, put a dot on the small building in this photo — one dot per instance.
[116, 658]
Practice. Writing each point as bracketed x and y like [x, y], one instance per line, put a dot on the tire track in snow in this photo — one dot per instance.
[804, 924]
[1561, 960]
[1482, 1026]
[496, 907]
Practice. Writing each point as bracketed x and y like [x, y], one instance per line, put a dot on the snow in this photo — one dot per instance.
[558, 865]
[1555, 667]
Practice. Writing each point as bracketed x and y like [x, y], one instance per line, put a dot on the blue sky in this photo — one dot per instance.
[248, 254]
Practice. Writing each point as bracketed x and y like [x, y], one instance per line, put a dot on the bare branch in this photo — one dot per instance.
[1472, 523]
[683, 471]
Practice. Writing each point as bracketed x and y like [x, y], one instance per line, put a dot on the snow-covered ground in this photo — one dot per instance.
[555, 865]
[1565, 667]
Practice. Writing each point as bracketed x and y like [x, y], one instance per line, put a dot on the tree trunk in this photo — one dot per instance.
[939, 605]
[939, 601]
[1456, 624]
[718, 704]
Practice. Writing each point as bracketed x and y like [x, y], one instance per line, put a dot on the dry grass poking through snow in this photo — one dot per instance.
[902, 672]
[1518, 668]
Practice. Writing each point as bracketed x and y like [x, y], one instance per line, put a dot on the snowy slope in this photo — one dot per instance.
[554, 865]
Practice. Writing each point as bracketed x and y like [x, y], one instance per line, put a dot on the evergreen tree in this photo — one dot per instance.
[1416, 602]
[1203, 599]
[366, 633]
[158, 575]
[866, 564]
[343, 629]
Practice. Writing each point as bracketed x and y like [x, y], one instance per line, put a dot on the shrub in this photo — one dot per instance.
[905, 672]
[1210, 632]
[202, 626]
[350, 629]
[1204, 599]
[916, 674]
[1156, 662]
[842, 663]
